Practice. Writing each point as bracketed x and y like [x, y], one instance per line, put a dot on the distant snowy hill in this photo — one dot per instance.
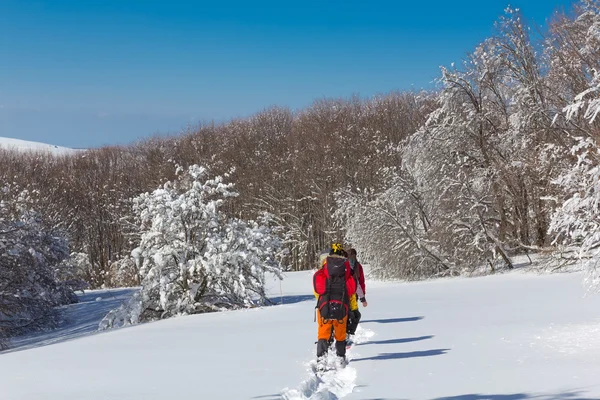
[23, 145]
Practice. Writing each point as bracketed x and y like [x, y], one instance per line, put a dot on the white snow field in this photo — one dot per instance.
[24, 145]
[507, 337]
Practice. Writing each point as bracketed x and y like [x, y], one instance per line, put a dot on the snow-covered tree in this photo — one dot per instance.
[31, 263]
[588, 100]
[192, 258]
[577, 221]
[392, 230]
[575, 59]
[458, 158]
[480, 167]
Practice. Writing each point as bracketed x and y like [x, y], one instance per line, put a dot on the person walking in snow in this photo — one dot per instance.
[359, 275]
[334, 285]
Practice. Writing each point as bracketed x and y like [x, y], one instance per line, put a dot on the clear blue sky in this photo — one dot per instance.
[85, 73]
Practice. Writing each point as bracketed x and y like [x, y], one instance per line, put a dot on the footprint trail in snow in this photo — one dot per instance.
[333, 383]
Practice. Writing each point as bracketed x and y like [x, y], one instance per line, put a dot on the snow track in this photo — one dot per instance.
[336, 381]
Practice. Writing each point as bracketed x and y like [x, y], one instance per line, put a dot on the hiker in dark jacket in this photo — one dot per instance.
[359, 275]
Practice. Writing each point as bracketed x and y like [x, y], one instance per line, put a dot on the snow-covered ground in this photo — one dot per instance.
[23, 145]
[506, 337]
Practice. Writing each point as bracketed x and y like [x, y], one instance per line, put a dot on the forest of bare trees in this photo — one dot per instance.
[287, 164]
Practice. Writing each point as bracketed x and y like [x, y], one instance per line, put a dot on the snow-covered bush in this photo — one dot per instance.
[68, 272]
[124, 273]
[31, 257]
[78, 269]
[192, 258]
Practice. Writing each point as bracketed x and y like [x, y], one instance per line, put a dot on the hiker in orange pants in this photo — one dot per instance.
[326, 328]
[333, 284]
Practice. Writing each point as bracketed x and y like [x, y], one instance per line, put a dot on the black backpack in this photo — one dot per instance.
[333, 305]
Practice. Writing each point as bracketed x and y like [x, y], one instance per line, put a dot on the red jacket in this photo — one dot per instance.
[320, 280]
[360, 275]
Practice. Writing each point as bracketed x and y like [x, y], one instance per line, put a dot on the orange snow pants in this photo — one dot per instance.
[326, 326]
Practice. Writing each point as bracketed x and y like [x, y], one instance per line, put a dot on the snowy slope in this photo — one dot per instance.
[23, 145]
[508, 337]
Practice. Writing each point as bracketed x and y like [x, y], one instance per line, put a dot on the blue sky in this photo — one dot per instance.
[86, 73]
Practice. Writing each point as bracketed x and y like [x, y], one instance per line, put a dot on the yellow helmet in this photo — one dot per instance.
[337, 248]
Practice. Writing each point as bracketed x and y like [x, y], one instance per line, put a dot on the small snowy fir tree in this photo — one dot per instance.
[191, 257]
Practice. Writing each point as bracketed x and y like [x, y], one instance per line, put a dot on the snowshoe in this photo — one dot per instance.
[322, 365]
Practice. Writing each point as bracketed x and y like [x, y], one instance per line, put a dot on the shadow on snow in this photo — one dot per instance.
[278, 300]
[518, 396]
[392, 320]
[514, 396]
[409, 354]
[397, 341]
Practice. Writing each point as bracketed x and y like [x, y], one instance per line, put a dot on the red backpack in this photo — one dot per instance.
[330, 284]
